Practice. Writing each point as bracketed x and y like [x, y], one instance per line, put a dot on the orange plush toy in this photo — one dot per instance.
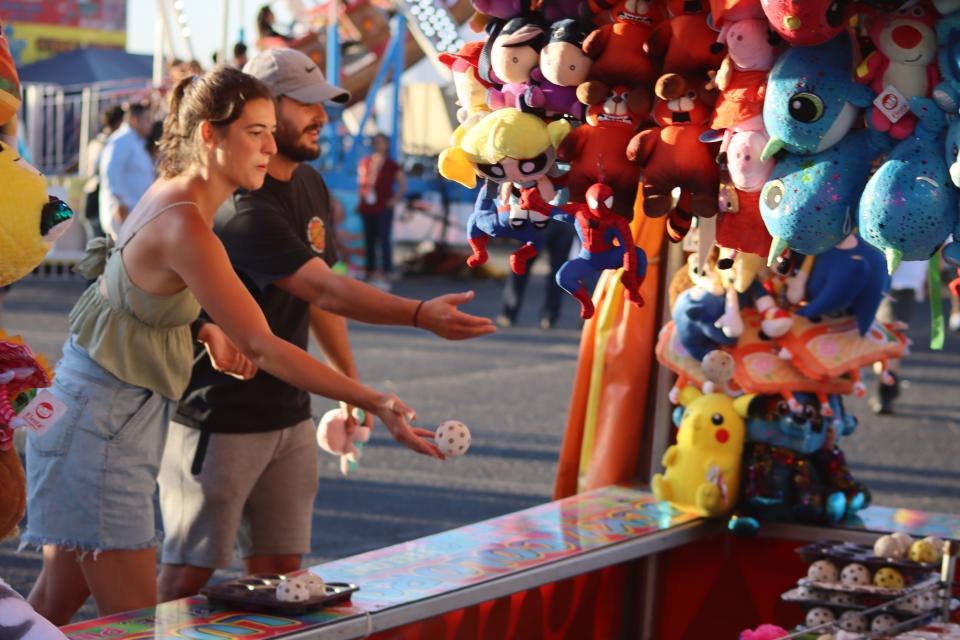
[686, 43]
[617, 53]
[671, 154]
[597, 151]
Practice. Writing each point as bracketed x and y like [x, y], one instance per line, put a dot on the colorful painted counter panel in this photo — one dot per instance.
[438, 573]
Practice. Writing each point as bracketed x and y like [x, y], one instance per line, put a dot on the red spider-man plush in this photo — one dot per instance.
[606, 243]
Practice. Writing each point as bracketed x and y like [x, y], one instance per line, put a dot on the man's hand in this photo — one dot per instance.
[224, 355]
[394, 415]
[441, 316]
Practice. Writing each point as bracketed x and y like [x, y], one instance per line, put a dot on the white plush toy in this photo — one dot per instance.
[452, 438]
[335, 436]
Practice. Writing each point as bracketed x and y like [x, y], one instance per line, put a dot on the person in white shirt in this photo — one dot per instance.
[126, 169]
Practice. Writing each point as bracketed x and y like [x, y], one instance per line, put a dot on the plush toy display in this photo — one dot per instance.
[672, 154]
[489, 221]
[811, 100]
[617, 53]
[808, 201]
[507, 147]
[509, 57]
[905, 61]
[686, 43]
[598, 227]
[471, 90]
[739, 224]
[742, 77]
[947, 93]
[850, 277]
[909, 207]
[597, 151]
[703, 469]
[563, 67]
[808, 22]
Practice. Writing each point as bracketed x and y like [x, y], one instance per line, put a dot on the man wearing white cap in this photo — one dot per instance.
[241, 456]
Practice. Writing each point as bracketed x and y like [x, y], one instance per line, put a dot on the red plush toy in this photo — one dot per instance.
[597, 151]
[686, 43]
[671, 154]
[807, 23]
[618, 57]
[905, 59]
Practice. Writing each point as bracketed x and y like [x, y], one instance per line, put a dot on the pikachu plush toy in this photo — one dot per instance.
[703, 469]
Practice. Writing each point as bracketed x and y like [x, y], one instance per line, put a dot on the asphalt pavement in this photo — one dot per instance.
[512, 389]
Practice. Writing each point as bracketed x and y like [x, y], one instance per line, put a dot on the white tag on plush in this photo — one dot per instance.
[42, 412]
[892, 103]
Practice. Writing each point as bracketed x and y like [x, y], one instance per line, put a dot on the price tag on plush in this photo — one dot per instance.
[892, 103]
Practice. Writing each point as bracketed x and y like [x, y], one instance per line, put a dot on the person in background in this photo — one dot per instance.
[908, 287]
[265, 28]
[110, 121]
[126, 169]
[382, 186]
[239, 55]
[557, 241]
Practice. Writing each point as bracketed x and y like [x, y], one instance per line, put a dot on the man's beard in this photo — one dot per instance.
[288, 145]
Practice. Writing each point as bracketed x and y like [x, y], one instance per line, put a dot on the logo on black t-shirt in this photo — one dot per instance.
[317, 234]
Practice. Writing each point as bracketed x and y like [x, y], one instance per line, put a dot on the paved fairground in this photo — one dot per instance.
[512, 389]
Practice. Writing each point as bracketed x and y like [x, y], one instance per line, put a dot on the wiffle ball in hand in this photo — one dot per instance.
[452, 438]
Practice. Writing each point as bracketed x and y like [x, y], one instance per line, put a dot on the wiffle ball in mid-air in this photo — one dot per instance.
[452, 438]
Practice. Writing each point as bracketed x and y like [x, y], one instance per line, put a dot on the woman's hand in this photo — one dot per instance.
[441, 316]
[224, 355]
[394, 415]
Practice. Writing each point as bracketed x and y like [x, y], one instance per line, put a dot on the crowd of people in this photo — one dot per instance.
[186, 361]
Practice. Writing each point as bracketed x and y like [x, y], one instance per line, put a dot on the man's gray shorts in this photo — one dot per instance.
[255, 489]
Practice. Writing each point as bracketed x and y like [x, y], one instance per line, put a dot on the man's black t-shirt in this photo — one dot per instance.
[269, 234]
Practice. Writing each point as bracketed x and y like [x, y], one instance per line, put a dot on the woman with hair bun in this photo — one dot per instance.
[91, 475]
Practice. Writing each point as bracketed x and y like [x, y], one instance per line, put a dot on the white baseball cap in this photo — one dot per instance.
[288, 72]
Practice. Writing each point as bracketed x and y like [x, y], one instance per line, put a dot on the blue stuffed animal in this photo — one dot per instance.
[805, 430]
[811, 98]
[806, 204]
[908, 208]
[947, 93]
[951, 252]
[695, 315]
[849, 277]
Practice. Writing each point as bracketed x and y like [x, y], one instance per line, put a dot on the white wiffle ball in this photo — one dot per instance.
[882, 622]
[315, 584]
[823, 571]
[888, 547]
[855, 575]
[293, 590]
[818, 616]
[452, 438]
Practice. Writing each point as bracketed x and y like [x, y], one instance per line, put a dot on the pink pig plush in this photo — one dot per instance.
[764, 632]
[336, 436]
[742, 78]
[740, 226]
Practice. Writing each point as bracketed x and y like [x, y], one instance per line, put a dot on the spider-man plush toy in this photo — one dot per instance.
[598, 227]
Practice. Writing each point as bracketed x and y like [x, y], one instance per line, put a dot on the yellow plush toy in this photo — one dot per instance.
[703, 469]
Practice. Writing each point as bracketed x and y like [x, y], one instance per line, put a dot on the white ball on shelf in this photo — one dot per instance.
[818, 616]
[855, 575]
[293, 590]
[315, 584]
[823, 571]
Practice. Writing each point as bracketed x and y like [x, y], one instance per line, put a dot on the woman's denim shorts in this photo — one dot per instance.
[91, 476]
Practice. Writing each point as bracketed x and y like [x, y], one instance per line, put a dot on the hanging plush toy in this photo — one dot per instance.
[488, 11]
[686, 43]
[742, 77]
[556, 10]
[509, 57]
[617, 54]
[808, 22]
[908, 207]
[490, 221]
[811, 100]
[850, 277]
[671, 155]
[563, 67]
[598, 227]
[951, 251]
[471, 90]
[947, 93]
[807, 204]
[597, 151]
[511, 149]
[904, 65]
[739, 225]
[703, 469]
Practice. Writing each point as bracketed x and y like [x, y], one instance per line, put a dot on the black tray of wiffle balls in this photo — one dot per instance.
[259, 593]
